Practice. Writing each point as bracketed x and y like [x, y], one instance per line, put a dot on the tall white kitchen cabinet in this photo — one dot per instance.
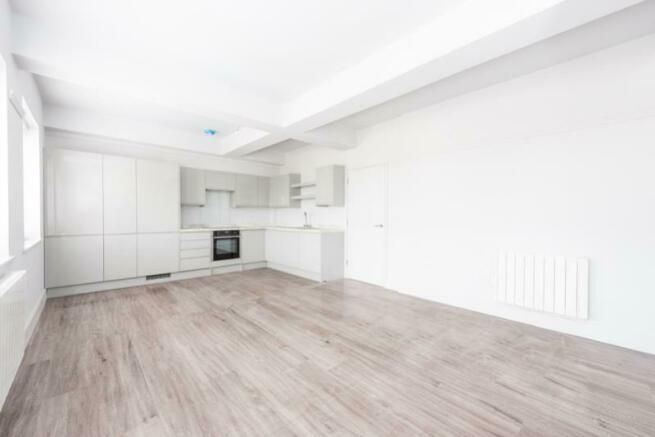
[73, 218]
[119, 205]
[158, 217]
[109, 218]
[158, 196]
[73, 193]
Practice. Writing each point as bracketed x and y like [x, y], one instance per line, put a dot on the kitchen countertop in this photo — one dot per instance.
[263, 227]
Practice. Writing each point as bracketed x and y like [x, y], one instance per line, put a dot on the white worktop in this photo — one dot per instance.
[263, 227]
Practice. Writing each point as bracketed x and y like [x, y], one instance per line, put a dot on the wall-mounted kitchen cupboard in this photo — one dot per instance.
[281, 191]
[220, 180]
[97, 208]
[330, 185]
[193, 189]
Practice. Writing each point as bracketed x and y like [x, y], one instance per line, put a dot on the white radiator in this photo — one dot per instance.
[12, 329]
[552, 284]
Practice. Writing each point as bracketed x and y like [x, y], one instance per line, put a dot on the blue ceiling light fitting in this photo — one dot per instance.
[208, 131]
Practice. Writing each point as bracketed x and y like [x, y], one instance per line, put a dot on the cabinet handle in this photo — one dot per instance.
[378, 226]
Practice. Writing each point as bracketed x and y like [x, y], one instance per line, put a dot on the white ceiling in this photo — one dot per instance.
[278, 48]
[271, 76]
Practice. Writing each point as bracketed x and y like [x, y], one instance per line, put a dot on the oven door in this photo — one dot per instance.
[226, 248]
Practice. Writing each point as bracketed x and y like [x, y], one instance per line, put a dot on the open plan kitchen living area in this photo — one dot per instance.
[327, 218]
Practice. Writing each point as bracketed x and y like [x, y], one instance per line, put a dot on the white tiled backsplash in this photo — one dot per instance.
[218, 212]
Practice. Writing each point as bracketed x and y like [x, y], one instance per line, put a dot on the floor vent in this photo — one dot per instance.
[12, 329]
[160, 276]
[555, 285]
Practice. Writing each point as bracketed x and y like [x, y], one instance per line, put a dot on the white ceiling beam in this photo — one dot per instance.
[127, 129]
[470, 35]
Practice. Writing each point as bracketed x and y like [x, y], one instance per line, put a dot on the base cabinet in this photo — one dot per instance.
[158, 253]
[253, 246]
[73, 260]
[313, 255]
[119, 257]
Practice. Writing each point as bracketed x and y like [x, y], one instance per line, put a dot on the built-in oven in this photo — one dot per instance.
[226, 245]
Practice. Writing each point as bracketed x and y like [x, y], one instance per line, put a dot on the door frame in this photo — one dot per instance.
[385, 167]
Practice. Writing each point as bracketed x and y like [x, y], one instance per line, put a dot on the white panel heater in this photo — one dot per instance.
[551, 284]
[12, 329]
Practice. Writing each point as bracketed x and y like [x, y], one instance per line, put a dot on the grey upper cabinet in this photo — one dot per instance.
[192, 186]
[119, 194]
[281, 191]
[220, 181]
[73, 193]
[263, 191]
[330, 185]
[246, 193]
[158, 196]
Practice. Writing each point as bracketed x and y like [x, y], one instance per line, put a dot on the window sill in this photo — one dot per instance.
[29, 244]
[4, 262]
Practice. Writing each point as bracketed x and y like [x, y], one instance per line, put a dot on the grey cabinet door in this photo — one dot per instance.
[281, 192]
[330, 185]
[192, 186]
[219, 180]
[246, 192]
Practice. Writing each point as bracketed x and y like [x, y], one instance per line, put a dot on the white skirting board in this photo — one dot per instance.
[552, 284]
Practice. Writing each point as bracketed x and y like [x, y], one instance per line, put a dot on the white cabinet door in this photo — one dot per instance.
[218, 180]
[73, 260]
[309, 252]
[119, 257]
[192, 186]
[253, 246]
[263, 189]
[289, 248]
[119, 194]
[158, 196]
[158, 253]
[246, 192]
[73, 193]
[273, 246]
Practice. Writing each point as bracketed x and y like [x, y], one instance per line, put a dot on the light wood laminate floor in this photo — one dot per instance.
[262, 353]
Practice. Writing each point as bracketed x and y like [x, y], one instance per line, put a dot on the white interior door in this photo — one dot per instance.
[367, 225]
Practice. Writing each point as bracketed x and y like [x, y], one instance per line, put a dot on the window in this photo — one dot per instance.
[31, 178]
[4, 167]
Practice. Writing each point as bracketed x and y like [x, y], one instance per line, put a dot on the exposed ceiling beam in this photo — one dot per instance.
[469, 36]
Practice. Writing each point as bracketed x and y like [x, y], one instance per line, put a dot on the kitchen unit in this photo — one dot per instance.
[114, 221]
[109, 218]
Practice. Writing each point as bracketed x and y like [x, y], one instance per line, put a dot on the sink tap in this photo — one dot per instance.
[307, 224]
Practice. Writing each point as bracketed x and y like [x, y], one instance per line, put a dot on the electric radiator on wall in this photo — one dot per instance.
[556, 285]
[12, 329]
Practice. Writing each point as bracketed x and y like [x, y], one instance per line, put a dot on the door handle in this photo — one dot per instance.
[378, 226]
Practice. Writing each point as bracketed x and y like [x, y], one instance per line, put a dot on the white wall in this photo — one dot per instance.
[30, 260]
[557, 162]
